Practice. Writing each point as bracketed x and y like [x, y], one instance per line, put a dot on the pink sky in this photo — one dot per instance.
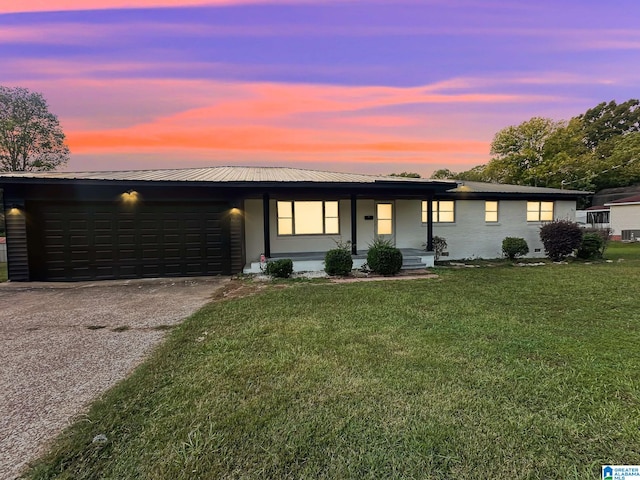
[373, 87]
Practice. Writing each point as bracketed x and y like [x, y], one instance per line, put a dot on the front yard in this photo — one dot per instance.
[494, 372]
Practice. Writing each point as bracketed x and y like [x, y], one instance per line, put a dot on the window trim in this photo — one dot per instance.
[436, 211]
[293, 218]
[539, 211]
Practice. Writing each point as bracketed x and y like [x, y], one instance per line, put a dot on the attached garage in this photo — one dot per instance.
[98, 241]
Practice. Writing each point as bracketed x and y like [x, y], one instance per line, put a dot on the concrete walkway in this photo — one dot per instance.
[61, 345]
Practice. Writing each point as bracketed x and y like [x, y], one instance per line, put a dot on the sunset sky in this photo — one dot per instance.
[361, 86]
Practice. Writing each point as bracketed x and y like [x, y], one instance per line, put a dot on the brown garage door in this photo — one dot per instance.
[106, 241]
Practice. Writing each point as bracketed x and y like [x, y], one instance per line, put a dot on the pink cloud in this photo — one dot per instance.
[65, 5]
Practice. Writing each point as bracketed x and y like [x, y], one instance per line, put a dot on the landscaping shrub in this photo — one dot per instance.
[560, 238]
[603, 233]
[591, 247]
[439, 246]
[514, 247]
[384, 258]
[282, 268]
[338, 261]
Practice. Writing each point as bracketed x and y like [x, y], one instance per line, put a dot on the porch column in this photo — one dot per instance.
[354, 226]
[266, 219]
[430, 223]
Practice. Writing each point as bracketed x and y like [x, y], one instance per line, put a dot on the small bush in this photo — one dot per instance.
[513, 247]
[439, 246]
[282, 268]
[338, 262]
[603, 233]
[560, 238]
[384, 258]
[591, 247]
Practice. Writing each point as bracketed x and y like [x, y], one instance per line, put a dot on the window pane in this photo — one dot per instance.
[284, 209]
[446, 217]
[384, 211]
[308, 218]
[546, 211]
[331, 226]
[533, 216]
[331, 209]
[285, 226]
[446, 205]
[384, 227]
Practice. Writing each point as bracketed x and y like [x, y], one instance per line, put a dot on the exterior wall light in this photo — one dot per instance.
[130, 196]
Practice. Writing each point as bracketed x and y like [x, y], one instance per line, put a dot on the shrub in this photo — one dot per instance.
[603, 233]
[338, 261]
[384, 258]
[439, 246]
[560, 238]
[513, 247]
[591, 247]
[282, 268]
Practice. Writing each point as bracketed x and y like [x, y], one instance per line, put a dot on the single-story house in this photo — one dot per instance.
[223, 220]
[625, 218]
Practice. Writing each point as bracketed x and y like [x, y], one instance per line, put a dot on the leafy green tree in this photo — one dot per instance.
[518, 152]
[606, 121]
[30, 136]
[442, 174]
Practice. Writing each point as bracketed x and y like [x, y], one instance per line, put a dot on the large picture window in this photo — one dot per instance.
[539, 211]
[443, 211]
[308, 218]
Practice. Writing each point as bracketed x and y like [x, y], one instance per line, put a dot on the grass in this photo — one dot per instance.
[505, 372]
[3, 272]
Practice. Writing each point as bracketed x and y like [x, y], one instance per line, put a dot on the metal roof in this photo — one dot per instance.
[482, 187]
[224, 174]
[285, 175]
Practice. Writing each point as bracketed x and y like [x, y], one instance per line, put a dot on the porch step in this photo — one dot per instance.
[413, 263]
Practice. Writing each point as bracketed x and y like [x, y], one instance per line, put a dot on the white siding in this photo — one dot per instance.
[624, 217]
[468, 237]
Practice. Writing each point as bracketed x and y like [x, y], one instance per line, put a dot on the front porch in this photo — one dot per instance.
[412, 259]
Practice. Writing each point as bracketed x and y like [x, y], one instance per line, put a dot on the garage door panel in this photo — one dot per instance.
[100, 241]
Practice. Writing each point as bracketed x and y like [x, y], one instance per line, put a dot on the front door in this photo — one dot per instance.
[385, 221]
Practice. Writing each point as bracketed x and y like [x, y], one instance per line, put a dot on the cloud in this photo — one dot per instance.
[22, 6]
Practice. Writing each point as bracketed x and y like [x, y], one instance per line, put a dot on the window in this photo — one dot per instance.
[490, 211]
[308, 218]
[539, 211]
[384, 219]
[443, 211]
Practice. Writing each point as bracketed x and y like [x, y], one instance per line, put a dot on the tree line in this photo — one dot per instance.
[597, 149]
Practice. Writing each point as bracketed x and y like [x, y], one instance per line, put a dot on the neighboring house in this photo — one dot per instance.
[221, 220]
[596, 216]
[3, 250]
[625, 218]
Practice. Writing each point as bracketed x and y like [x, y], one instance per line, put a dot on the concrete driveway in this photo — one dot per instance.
[61, 345]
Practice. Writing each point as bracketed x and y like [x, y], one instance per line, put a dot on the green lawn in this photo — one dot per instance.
[494, 372]
[3, 272]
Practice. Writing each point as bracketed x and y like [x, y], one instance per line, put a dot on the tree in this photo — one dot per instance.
[518, 152]
[405, 175]
[30, 136]
[608, 120]
[442, 174]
